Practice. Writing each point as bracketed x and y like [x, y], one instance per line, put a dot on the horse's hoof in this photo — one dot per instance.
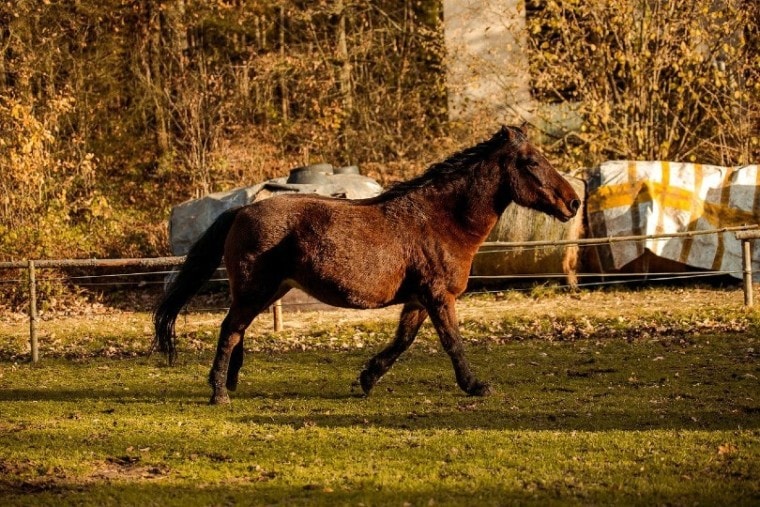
[232, 384]
[480, 389]
[219, 400]
[367, 381]
[356, 390]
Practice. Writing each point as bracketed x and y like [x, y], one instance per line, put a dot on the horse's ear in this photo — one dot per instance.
[513, 134]
[508, 132]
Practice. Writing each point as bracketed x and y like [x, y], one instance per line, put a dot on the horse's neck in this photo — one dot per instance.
[470, 207]
[482, 202]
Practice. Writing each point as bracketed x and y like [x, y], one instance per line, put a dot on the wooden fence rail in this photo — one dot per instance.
[746, 234]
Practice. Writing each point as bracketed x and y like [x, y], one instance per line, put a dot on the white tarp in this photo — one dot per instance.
[627, 198]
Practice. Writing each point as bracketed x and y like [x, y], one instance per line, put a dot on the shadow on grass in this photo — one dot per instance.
[615, 418]
[411, 413]
[642, 386]
[273, 492]
[197, 394]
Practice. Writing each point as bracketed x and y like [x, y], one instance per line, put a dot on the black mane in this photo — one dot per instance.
[457, 165]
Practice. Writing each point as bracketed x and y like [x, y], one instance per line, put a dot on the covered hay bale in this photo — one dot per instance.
[520, 224]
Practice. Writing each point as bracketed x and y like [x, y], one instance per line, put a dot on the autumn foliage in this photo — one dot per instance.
[111, 111]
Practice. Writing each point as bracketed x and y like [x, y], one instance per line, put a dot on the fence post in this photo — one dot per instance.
[747, 271]
[33, 312]
[745, 237]
[277, 315]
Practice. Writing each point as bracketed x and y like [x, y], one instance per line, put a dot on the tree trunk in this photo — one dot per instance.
[155, 78]
[344, 65]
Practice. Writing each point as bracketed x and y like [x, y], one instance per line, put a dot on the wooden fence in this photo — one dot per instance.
[746, 234]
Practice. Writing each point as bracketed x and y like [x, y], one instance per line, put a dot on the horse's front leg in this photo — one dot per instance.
[412, 317]
[236, 362]
[443, 314]
[230, 339]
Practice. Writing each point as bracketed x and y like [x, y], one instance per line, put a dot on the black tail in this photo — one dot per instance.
[201, 262]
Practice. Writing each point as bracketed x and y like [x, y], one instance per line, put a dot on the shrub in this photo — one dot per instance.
[651, 79]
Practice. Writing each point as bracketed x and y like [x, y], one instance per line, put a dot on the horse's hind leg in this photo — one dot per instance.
[412, 317]
[230, 339]
[236, 358]
[229, 350]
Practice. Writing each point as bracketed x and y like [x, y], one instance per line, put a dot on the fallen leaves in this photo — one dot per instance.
[128, 467]
[103, 331]
[633, 328]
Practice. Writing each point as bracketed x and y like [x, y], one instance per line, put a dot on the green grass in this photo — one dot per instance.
[671, 420]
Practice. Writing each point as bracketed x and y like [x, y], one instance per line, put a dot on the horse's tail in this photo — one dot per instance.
[201, 262]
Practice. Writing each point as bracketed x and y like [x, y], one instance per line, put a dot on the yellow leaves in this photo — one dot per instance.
[87, 165]
[99, 207]
[18, 111]
[28, 146]
[62, 104]
[658, 74]
[664, 150]
[32, 165]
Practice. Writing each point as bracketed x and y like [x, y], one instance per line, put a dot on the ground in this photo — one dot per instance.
[646, 396]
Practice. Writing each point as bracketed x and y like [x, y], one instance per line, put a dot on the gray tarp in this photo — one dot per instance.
[191, 218]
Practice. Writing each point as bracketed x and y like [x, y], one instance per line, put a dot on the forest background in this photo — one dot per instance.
[113, 111]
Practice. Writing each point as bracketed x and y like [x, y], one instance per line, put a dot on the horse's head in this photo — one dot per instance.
[533, 180]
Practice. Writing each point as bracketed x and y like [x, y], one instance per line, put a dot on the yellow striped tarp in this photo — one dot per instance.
[641, 198]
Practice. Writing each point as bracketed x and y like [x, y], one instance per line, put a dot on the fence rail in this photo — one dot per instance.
[746, 234]
[96, 263]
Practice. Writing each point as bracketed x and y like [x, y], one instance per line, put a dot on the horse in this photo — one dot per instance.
[412, 245]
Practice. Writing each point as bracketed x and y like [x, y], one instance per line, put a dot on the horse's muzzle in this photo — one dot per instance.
[570, 210]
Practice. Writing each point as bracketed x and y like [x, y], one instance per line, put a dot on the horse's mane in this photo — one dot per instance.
[457, 165]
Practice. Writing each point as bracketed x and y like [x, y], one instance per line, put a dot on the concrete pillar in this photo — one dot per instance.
[487, 62]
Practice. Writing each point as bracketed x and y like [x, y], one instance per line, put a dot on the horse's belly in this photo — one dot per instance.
[347, 255]
[350, 288]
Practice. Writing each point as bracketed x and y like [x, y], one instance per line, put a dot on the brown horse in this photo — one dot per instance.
[411, 245]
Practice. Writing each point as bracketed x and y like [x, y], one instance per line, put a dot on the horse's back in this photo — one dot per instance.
[271, 220]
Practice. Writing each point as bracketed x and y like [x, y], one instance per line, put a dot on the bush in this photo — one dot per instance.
[651, 79]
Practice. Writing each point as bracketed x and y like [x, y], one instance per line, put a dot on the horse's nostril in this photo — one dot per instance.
[574, 205]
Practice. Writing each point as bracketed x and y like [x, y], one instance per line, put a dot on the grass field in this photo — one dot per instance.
[639, 398]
